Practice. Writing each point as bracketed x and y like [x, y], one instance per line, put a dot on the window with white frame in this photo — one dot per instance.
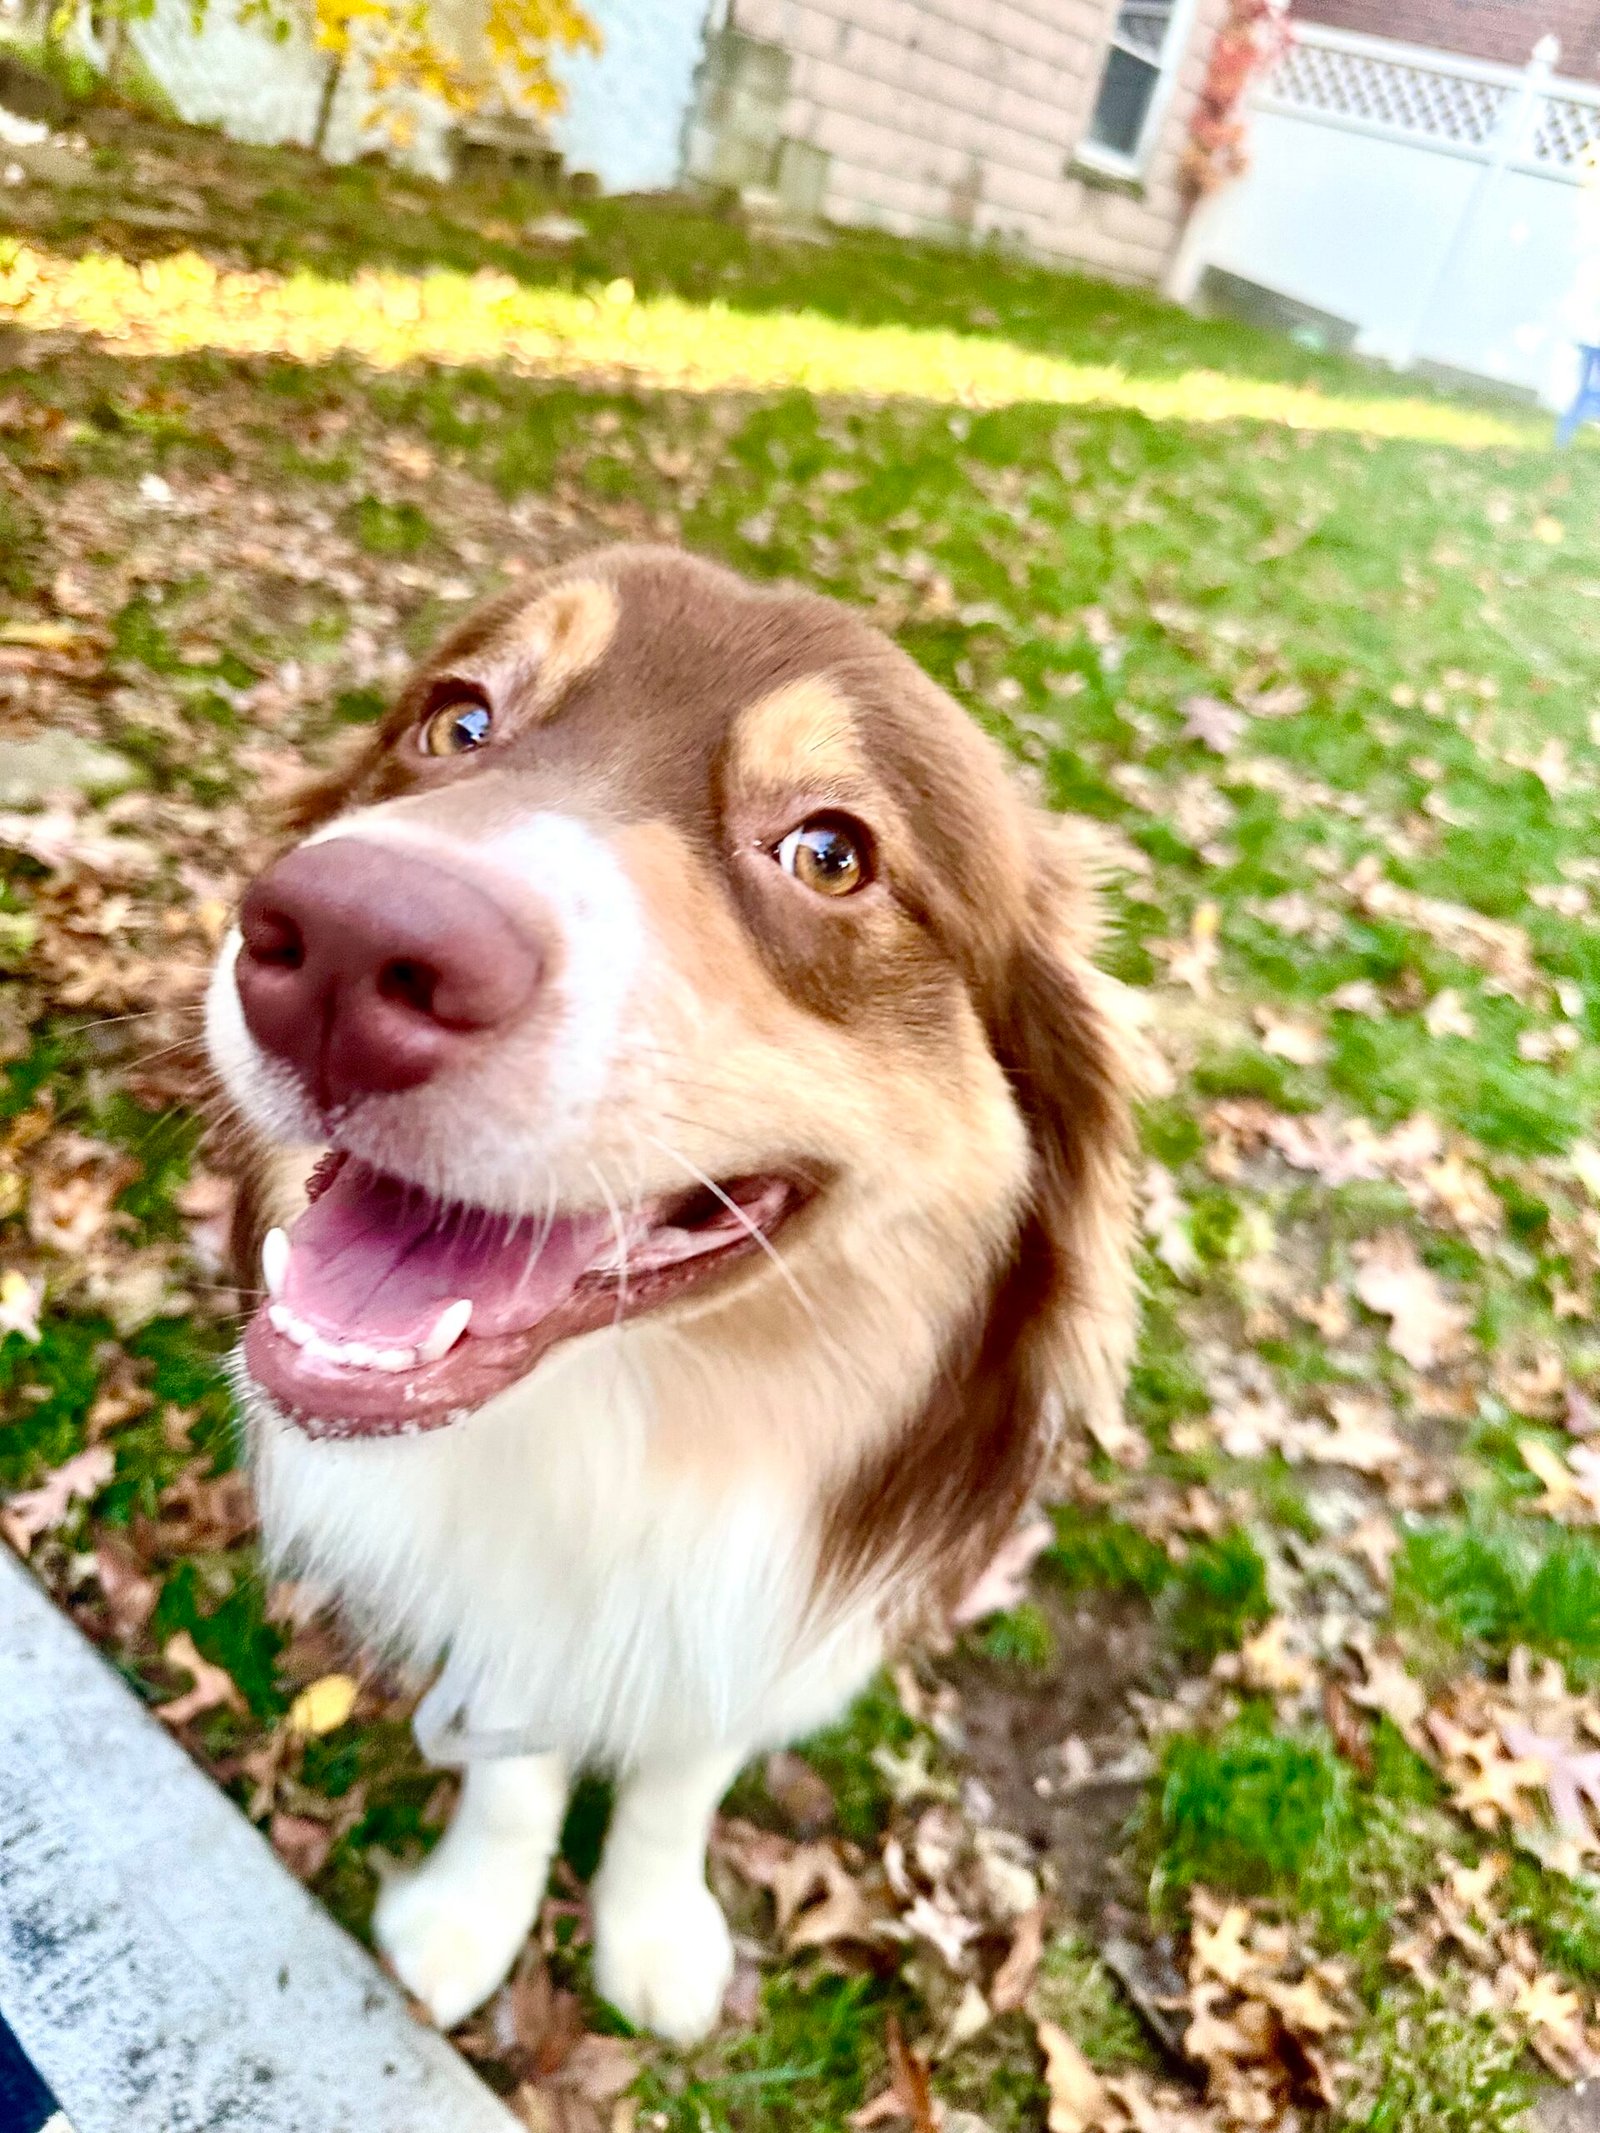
[1143, 47]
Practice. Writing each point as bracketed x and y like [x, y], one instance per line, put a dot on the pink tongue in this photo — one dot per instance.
[373, 1258]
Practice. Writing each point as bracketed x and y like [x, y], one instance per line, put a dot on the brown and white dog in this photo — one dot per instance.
[714, 1132]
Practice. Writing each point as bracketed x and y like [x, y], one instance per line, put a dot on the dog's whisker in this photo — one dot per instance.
[621, 1234]
[756, 1233]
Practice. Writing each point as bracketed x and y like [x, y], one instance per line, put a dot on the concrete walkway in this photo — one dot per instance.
[159, 1968]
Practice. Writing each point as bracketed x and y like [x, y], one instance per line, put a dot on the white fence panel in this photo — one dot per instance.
[1434, 204]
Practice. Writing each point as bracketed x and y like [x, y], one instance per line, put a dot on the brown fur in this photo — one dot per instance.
[743, 708]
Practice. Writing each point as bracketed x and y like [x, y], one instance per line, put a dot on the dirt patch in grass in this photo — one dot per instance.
[1047, 1740]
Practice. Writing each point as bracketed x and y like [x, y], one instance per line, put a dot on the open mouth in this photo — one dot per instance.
[389, 1310]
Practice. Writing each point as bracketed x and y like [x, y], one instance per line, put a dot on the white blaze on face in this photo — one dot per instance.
[531, 1095]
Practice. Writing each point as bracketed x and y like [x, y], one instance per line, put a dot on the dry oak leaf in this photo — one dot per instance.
[1373, 1540]
[1454, 1187]
[1486, 1783]
[1533, 1385]
[1571, 1486]
[1554, 2018]
[1425, 1327]
[73, 1191]
[1078, 2100]
[1446, 1015]
[947, 1931]
[1347, 1727]
[1470, 1886]
[203, 1512]
[32, 1512]
[1306, 2009]
[1301, 1043]
[1013, 1981]
[909, 2094]
[802, 1792]
[1362, 1438]
[1270, 1664]
[1329, 1312]
[1191, 962]
[1004, 1584]
[1215, 724]
[302, 1843]
[1223, 1950]
[130, 1594]
[598, 2068]
[1166, 1223]
[214, 1687]
[59, 840]
[1569, 1777]
[815, 1897]
[1256, 1423]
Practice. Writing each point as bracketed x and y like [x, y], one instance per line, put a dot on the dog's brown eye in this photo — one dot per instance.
[825, 854]
[455, 728]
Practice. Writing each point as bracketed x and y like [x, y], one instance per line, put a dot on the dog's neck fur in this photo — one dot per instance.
[593, 1596]
[626, 1552]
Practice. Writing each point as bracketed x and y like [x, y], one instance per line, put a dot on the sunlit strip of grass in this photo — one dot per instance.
[182, 303]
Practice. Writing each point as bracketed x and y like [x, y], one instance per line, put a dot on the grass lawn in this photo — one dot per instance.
[1268, 1805]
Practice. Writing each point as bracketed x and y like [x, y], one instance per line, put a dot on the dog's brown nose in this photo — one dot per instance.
[368, 969]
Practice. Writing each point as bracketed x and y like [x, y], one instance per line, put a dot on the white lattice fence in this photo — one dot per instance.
[1565, 133]
[1400, 97]
[1453, 104]
[1417, 205]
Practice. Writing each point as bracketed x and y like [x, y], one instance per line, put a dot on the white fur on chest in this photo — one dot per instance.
[608, 1608]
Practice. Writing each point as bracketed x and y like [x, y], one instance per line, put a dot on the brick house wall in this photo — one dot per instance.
[1506, 30]
[962, 118]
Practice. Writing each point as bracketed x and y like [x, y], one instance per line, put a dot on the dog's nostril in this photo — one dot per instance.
[276, 941]
[409, 984]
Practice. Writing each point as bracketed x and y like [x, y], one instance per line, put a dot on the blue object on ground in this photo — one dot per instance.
[26, 2105]
[1586, 401]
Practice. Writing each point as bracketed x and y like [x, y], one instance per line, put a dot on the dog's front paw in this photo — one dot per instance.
[663, 1960]
[452, 1928]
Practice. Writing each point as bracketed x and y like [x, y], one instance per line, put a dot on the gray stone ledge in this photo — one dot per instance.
[159, 1966]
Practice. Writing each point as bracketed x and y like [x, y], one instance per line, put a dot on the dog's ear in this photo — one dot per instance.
[1052, 1342]
[1066, 1036]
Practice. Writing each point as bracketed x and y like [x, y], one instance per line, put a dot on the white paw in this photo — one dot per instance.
[452, 1928]
[663, 1960]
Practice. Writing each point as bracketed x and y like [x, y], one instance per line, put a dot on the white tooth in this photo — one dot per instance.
[447, 1330]
[299, 1330]
[279, 1315]
[275, 1260]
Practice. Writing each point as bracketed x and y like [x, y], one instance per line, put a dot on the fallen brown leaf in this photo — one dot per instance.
[1425, 1327]
[1347, 1727]
[214, 1687]
[815, 1897]
[805, 1796]
[1004, 1584]
[32, 1512]
[1013, 1981]
[1077, 2096]
[1215, 724]
[301, 1843]
[130, 1593]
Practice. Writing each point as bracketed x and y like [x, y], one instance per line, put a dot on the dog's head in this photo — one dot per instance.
[678, 954]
